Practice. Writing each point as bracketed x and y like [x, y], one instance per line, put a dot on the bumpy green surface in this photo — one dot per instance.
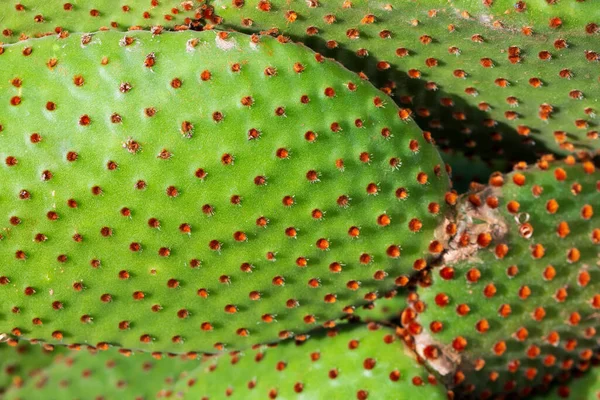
[514, 320]
[448, 66]
[350, 363]
[31, 18]
[466, 170]
[583, 386]
[208, 272]
[386, 308]
[104, 375]
[20, 362]
[531, 13]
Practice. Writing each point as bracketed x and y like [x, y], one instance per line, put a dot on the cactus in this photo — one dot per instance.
[472, 169]
[498, 79]
[362, 362]
[106, 375]
[20, 361]
[540, 16]
[201, 191]
[584, 386]
[30, 18]
[179, 193]
[515, 301]
[385, 309]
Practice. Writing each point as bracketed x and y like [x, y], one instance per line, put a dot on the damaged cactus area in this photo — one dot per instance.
[253, 199]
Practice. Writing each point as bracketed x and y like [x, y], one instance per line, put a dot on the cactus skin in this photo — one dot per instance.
[583, 386]
[350, 362]
[70, 273]
[472, 169]
[19, 361]
[496, 319]
[92, 374]
[385, 309]
[534, 14]
[419, 51]
[30, 18]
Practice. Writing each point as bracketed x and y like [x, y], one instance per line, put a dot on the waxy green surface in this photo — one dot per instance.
[512, 318]
[482, 84]
[25, 19]
[351, 362]
[104, 375]
[197, 191]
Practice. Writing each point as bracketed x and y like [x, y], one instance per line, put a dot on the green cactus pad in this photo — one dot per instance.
[350, 363]
[542, 16]
[498, 93]
[31, 18]
[21, 360]
[468, 170]
[516, 300]
[92, 374]
[385, 309]
[201, 191]
[579, 386]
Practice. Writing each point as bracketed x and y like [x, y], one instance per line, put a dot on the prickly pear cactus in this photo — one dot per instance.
[497, 79]
[583, 386]
[201, 191]
[539, 16]
[385, 309]
[19, 361]
[468, 169]
[30, 18]
[93, 374]
[516, 300]
[363, 362]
